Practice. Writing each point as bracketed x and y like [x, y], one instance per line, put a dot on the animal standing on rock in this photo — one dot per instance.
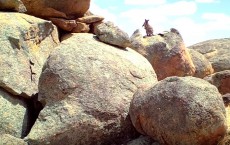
[148, 28]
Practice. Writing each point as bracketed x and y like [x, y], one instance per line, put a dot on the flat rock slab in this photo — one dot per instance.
[90, 19]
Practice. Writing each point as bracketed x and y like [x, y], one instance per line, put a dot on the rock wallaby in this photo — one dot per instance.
[148, 28]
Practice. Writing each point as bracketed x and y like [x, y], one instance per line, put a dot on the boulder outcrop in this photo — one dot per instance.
[78, 91]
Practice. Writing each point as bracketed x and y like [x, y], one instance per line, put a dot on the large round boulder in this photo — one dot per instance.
[180, 111]
[57, 9]
[86, 87]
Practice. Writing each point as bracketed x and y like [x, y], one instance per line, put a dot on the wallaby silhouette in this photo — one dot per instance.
[148, 28]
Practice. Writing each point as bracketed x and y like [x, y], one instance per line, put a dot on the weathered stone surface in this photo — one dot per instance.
[107, 32]
[13, 115]
[180, 111]
[6, 139]
[86, 87]
[166, 52]
[221, 80]
[25, 42]
[67, 25]
[57, 9]
[221, 63]
[225, 141]
[81, 28]
[202, 65]
[138, 44]
[12, 5]
[90, 19]
[217, 51]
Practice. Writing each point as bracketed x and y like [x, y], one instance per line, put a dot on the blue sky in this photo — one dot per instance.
[196, 20]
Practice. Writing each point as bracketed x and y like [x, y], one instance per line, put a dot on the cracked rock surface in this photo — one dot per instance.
[86, 86]
[25, 42]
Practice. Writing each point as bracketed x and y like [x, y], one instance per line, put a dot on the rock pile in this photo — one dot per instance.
[68, 77]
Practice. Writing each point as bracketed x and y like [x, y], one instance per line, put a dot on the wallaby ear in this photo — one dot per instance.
[144, 23]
